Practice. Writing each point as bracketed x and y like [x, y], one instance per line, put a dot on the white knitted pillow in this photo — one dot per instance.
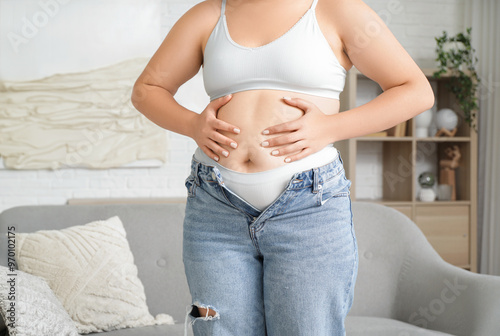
[91, 270]
[30, 308]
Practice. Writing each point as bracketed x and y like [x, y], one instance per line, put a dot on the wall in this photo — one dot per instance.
[414, 23]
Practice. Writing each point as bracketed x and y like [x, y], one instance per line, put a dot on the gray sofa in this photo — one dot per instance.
[402, 285]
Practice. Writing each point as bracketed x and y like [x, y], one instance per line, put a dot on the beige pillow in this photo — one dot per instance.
[91, 269]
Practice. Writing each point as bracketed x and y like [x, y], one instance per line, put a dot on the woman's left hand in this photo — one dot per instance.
[307, 135]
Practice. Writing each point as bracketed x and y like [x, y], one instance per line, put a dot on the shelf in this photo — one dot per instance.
[410, 138]
[386, 202]
[410, 203]
[384, 138]
[384, 169]
[441, 203]
[446, 139]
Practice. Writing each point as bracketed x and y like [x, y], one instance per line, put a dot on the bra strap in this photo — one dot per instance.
[313, 6]
[223, 7]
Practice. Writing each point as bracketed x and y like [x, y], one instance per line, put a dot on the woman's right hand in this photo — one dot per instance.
[206, 130]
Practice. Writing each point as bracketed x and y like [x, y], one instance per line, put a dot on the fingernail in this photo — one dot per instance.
[265, 132]
[287, 98]
[275, 152]
[234, 145]
[216, 158]
[265, 144]
[236, 130]
[225, 153]
[287, 160]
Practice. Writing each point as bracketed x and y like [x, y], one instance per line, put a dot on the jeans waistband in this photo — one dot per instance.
[307, 178]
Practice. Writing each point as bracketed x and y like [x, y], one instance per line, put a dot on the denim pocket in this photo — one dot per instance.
[191, 185]
[337, 186]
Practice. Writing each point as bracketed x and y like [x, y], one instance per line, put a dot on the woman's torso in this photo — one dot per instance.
[254, 26]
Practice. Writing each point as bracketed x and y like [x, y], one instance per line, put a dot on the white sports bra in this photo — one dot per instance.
[301, 60]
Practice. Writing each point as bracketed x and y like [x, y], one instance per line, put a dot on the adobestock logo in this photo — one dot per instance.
[437, 306]
[31, 27]
[372, 28]
[404, 168]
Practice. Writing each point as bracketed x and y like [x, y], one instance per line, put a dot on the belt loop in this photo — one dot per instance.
[316, 185]
[196, 177]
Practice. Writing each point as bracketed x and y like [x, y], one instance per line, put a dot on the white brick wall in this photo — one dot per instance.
[414, 23]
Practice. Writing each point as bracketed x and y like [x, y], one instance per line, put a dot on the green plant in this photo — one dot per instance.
[456, 56]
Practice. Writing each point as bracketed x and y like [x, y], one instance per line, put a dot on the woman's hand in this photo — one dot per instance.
[206, 130]
[308, 134]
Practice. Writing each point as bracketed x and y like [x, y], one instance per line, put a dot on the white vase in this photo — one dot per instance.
[422, 123]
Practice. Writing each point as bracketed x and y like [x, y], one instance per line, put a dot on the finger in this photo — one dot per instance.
[219, 102]
[214, 151]
[225, 126]
[302, 104]
[289, 126]
[208, 152]
[222, 139]
[291, 149]
[218, 150]
[281, 140]
[305, 152]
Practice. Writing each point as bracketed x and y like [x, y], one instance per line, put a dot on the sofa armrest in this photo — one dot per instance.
[439, 296]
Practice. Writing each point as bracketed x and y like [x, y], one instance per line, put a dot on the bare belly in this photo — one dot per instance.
[252, 112]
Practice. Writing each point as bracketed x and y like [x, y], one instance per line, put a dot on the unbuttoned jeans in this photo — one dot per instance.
[289, 270]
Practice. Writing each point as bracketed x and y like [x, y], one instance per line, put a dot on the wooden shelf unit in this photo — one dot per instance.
[450, 226]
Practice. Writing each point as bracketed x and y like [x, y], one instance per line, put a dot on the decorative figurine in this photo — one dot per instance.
[447, 168]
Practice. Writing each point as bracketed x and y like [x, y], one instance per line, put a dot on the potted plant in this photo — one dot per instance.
[456, 56]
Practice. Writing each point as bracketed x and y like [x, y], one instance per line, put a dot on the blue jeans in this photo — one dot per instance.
[289, 270]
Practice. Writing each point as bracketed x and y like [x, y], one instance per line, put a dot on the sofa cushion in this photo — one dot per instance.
[379, 326]
[161, 330]
[36, 309]
[91, 270]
